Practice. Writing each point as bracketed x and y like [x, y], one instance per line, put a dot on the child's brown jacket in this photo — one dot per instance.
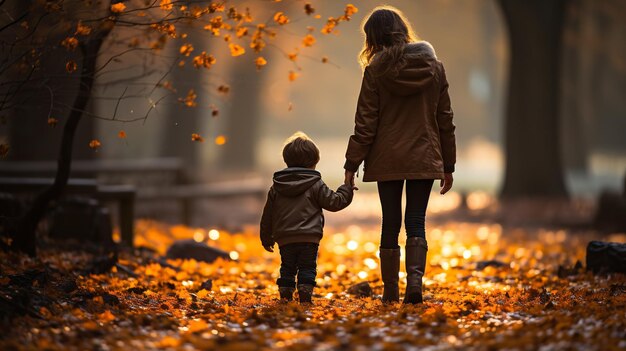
[293, 211]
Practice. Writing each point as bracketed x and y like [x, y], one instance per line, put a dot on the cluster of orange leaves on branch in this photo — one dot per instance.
[158, 22]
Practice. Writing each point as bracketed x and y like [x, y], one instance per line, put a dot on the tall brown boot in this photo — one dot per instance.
[416, 249]
[389, 268]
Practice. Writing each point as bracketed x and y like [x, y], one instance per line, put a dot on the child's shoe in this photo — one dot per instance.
[286, 293]
[305, 291]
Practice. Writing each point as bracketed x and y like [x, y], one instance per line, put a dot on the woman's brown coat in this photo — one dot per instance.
[403, 125]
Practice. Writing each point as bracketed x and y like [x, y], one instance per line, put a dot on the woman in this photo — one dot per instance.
[404, 132]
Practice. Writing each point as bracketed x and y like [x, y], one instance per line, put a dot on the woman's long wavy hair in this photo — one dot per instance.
[386, 31]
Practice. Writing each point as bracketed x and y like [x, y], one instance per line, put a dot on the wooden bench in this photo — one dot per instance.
[141, 172]
[187, 194]
[123, 195]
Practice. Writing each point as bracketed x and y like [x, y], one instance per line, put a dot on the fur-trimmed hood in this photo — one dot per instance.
[415, 75]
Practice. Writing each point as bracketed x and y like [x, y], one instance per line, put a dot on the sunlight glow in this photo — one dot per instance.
[214, 234]
[198, 236]
[234, 255]
[370, 263]
[352, 245]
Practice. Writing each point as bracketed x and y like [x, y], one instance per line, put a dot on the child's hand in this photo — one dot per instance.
[269, 248]
[349, 180]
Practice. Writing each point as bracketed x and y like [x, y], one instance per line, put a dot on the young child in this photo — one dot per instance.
[293, 216]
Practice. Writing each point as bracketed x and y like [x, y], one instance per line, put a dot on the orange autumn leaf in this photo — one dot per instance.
[196, 325]
[281, 18]
[308, 40]
[106, 316]
[118, 8]
[82, 29]
[215, 25]
[121, 134]
[258, 43]
[45, 312]
[166, 5]
[260, 62]
[71, 66]
[293, 76]
[52, 122]
[197, 137]
[186, 49]
[241, 32]
[168, 341]
[349, 11]
[94, 144]
[216, 7]
[293, 56]
[308, 9]
[330, 25]
[190, 99]
[202, 293]
[70, 43]
[98, 299]
[220, 140]
[236, 50]
[223, 89]
[204, 60]
[167, 85]
[324, 59]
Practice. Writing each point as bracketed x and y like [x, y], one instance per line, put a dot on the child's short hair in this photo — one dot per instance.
[300, 151]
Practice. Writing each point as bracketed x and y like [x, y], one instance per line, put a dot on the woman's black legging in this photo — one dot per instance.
[417, 194]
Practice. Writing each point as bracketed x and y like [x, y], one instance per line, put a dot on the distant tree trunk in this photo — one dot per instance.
[25, 239]
[238, 153]
[532, 142]
[30, 136]
[490, 36]
[182, 121]
[575, 137]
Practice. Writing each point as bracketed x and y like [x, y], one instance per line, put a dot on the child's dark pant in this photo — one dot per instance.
[417, 194]
[298, 259]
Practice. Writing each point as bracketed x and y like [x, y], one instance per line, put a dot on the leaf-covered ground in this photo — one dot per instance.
[486, 288]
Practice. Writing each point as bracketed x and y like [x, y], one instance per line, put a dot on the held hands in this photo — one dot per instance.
[349, 180]
[446, 183]
[269, 248]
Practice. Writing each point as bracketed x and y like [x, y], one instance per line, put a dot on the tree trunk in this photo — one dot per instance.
[25, 239]
[238, 154]
[30, 136]
[183, 121]
[575, 140]
[532, 140]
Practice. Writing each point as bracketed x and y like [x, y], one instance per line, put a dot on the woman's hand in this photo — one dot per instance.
[446, 183]
[349, 180]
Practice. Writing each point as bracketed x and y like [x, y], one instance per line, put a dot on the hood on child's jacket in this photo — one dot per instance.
[295, 180]
[293, 211]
